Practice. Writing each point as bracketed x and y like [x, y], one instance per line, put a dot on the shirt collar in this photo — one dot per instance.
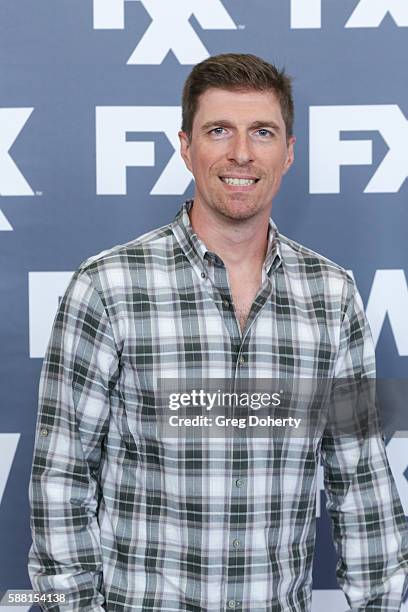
[198, 253]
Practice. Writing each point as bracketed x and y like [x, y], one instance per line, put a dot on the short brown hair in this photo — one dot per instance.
[241, 72]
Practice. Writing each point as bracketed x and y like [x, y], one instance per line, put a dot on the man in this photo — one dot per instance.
[126, 519]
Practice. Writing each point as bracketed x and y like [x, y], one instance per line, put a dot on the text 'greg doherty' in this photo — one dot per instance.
[218, 398]
[221, 421]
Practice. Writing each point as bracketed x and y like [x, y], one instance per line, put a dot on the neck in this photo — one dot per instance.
[241, 243]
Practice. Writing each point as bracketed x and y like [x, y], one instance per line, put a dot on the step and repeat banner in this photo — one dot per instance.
[89, 113]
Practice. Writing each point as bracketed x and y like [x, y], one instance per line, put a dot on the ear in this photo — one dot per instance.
[185, 151]
[290, 156]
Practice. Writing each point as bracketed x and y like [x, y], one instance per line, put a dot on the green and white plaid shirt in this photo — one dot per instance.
[125, 521]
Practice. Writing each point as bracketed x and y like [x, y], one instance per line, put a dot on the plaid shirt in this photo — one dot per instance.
[123, 520]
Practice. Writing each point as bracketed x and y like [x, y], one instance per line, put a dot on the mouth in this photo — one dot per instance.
[235, 181]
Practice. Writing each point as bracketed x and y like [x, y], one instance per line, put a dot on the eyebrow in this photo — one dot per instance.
[226, 123]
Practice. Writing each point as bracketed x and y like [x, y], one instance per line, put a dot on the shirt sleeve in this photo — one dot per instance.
[79, 369]
[369, 526]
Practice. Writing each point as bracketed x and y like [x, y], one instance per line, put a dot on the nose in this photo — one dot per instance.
[240, 149]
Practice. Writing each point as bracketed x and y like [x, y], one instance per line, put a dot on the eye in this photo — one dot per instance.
[217, 131]
[264, 132]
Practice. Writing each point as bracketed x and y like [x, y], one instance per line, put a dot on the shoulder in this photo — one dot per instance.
[322, 275]
[156, 240]
[119, 268]
[297, 256]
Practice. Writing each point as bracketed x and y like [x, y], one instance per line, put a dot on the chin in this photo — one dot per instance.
[237, 215]
[237, 211]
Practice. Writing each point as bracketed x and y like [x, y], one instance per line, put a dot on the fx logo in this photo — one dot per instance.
[328, 152]
[170, 29]
[114, 153]
[12, 182]
[305, 14]
[389, 299]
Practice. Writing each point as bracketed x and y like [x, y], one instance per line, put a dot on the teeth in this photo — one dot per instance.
[238, 181]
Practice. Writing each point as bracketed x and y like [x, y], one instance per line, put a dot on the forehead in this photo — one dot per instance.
[243, 106]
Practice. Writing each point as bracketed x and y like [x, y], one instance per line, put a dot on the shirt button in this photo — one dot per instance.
[239, 482]
[226, 303]
[231, 603]
[44, 432]
[236, 543]
[242, 360]
[203, 274]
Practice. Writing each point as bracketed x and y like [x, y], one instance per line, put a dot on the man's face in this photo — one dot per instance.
[238, 151]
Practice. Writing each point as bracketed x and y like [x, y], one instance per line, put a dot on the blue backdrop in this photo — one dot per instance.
[89, 113]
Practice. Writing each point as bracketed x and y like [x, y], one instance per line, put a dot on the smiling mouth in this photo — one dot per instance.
[238, 181]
